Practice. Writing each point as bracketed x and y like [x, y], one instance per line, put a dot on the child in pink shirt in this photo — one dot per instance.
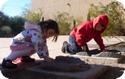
[31, 40]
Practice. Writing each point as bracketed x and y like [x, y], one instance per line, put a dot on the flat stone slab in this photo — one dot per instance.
[65, 64]
[92, 73]
[118, 46]
[36, 70]
[118, 55]
[101, 60]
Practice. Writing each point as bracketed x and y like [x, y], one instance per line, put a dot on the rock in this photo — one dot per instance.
[65, 64]
[119, 46]
[108, 53]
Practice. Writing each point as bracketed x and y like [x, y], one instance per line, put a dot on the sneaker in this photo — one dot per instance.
[27, 59]
[64, 47]
[8, 64]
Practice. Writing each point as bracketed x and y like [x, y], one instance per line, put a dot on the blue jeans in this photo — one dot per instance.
[73, 47]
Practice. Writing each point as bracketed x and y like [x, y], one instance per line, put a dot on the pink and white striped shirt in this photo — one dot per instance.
[32, 38]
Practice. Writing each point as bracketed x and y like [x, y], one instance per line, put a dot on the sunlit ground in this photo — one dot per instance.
[2, 77]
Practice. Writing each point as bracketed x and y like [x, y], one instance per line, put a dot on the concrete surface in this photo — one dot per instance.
[55, 47]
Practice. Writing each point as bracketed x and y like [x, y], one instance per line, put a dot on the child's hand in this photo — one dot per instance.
[102, 50]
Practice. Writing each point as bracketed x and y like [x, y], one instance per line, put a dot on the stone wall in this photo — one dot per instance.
[76, 8]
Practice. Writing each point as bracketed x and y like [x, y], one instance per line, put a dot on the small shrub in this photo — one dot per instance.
[33, 16]
[65, 22]
[5, 31]
[116, 14]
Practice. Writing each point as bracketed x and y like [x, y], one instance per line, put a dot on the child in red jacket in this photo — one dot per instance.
[84, 32]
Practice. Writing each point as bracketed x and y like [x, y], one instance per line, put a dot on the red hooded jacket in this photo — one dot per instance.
[84, 32]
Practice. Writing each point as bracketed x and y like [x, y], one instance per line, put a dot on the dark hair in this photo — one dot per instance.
[50, 24]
